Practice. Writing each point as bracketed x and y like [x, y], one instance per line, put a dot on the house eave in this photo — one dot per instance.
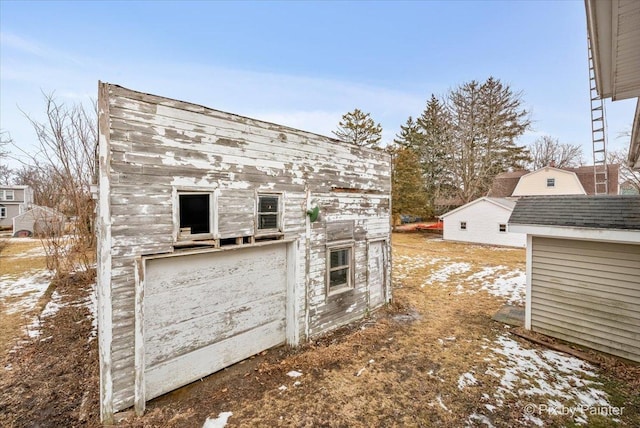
[623, 236]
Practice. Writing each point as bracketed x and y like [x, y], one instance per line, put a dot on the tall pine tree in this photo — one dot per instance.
[359, 128]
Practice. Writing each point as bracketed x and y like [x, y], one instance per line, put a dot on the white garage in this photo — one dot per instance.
[583, 270]
[203, 311]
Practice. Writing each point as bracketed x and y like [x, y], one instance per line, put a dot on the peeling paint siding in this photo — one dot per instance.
[154, 145]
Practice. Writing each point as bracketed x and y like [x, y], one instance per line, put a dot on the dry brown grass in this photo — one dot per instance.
[399, 368]
[15, 262]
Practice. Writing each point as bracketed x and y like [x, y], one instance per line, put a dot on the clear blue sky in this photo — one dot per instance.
[303, 64]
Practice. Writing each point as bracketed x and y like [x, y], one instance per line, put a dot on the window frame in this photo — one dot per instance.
[506, 228]
[463, 225]
[350, 266]
[279, 214]
[551, 182]
[178, 235]
[9, 195]
[3, 211]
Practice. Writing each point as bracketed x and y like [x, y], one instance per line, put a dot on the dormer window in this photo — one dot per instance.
[551, 182]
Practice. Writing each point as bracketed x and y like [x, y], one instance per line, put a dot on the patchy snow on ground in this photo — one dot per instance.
[92, 305]
[33, 330]
[403, 266]
[498, 281]
[546, 380]
[511, 286]
[21, 294]
[294, 373]
[443, 274]
[466, 379]
[219, 422]
[38, 251]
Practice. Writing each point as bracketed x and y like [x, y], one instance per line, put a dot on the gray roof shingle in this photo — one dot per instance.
[598, 212]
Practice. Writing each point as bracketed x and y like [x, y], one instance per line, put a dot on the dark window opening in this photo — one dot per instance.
[463, 225]
[195, 213]
[268, 212]
[551, 182]
[502, 227]
[246, 240]
[228, 241]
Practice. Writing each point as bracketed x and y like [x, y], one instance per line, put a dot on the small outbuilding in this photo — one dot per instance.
[583, 269]
[482, 221]
[39, 221]
[221, 236]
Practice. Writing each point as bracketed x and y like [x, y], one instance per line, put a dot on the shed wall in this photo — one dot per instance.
[151, 147]
[588, 293]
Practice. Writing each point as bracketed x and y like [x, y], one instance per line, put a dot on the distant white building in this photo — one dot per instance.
[483, 221]
[39, 221]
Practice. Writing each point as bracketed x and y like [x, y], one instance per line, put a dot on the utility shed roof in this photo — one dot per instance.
[595, 212]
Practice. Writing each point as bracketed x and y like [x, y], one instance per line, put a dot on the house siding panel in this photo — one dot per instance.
[587, 293]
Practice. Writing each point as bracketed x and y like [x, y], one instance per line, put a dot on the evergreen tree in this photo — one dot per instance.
[434, 127]
[408, 194]
[359, 128]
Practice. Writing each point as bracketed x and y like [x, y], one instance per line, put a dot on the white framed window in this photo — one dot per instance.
[3, 212]
[463, 225]
[551, 182]
[194, 215]
[339, 268]
[269, 213]
[502, 228]
[10, 195]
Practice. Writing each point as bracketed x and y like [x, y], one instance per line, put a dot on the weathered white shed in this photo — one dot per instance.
[221, 236]
[583, 269]
[39, 221]
[483, 221]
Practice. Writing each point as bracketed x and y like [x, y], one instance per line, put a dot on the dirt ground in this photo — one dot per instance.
[432, 357]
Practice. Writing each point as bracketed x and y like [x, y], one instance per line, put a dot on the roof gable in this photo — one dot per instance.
[500, 202]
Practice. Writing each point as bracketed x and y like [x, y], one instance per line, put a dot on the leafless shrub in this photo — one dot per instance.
[61, 170]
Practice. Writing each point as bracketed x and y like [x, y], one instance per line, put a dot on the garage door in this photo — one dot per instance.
[203, 312]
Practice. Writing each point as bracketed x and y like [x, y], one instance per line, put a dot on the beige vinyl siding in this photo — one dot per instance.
[588, 293]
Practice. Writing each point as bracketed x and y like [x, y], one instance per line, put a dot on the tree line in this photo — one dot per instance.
[451, 152]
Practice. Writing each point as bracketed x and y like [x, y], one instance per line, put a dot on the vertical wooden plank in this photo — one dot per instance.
[527, 305]
[214, 212]
[139, 353]
[104, 309]
[291, 325]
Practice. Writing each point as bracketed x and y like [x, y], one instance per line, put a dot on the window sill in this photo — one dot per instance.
[338, 291]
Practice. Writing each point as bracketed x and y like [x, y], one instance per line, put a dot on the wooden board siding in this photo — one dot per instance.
[210, 304]
[587, 293]
[152, 147]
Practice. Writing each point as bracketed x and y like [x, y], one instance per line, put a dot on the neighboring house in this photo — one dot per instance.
[482, 221]
[583, 269]
[39, 221]
[552, 181]
[14, 200]
[548, 181]
[221, 236]
[480, 226]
